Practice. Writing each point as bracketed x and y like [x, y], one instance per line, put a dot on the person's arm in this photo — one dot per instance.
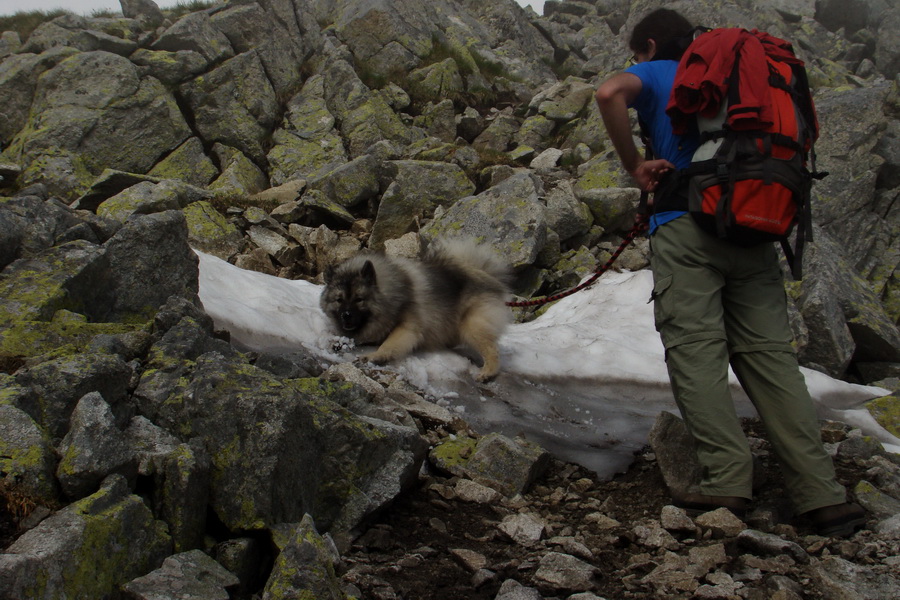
[613, 97]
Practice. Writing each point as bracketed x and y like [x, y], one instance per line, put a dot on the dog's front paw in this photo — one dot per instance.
[378, 358]
[486, 376]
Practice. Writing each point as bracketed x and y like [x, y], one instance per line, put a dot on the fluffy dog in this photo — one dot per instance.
[455, 295]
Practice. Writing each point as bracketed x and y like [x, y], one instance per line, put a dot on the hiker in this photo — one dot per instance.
[717, 303]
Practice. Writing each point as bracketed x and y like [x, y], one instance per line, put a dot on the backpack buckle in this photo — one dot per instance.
[722, 171]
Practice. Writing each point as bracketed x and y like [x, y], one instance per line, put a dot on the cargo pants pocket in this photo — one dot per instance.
[662, 300]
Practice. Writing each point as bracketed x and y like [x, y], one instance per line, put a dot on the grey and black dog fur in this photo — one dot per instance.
[455, 295]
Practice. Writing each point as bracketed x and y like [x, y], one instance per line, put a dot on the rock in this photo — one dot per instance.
[188, 163]
[564, 101]
[243, 557]
[417, 189]
[35, 288]
[134, 255]
[565, 572]
[307, 143]
[506, 465]
[673, 518]
[351, 183]
[210, 232]
[184, 576]
[654, 536]
[27, 460]
[107, 539]
[721, 522]
[471, 491]
[93, 448]
[767, 544]
[61, 383]
[304, 568]
[146, 11]
[240, 176]
[234, 104]
[881, 505]
[96, 109]
[841, 578]
[513, 590]
[508, 215]
[436, 82]
[364, 118]
[392, 454]
[674, 449]
[523, 529]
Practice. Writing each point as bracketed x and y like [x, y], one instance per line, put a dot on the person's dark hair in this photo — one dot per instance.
[664, 26]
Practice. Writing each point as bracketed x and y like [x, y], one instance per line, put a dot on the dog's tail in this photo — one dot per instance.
[470, 255]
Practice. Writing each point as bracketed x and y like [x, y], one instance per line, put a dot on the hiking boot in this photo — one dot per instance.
[838, 520]
[697, 504]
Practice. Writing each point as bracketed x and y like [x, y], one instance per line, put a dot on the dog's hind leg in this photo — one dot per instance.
[482, 336]
[401, 342]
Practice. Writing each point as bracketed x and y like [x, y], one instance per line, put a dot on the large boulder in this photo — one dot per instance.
[509, 215]
[235, 104]
[92, 111]
[311, 457]
[417, 189]
[307, 142]
[86, 550]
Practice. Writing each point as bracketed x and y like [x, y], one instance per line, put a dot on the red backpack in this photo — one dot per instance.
[750, 179]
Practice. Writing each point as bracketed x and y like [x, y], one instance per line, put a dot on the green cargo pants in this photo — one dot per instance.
[716, 303]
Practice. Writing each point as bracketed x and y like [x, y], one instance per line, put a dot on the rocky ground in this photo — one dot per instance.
[608, 539]
[572, 536]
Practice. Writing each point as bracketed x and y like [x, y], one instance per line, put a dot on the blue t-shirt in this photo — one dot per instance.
[657, 78]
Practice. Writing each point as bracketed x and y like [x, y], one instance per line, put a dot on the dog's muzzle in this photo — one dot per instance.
[350, 321]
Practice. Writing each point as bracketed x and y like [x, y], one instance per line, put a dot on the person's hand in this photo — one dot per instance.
[648, 173]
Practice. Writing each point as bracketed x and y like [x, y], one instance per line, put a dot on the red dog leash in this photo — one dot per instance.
[639, 227]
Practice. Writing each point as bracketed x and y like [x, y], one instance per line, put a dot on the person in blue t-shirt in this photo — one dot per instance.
[717, 304]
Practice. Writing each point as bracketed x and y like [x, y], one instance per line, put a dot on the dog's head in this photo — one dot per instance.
[349, 295]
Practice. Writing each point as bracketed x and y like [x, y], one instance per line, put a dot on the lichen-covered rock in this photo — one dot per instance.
[886, 411]
[136, 260]
[86, 550]
[499, 134]
[18, 82]
[70, 276]
[837, 304]
[435, 82]
[240, 176]
[312, 457]
[351, 183]
[185, 576]
[438, 120]
[196, 32]
[304, 568]
[307, 143]
[566, 215]
[93, 448]
[508, 215]
[563, 101]
[234, 104]
[27, 460]
[96, 112]
[364, 117]
[188, 163]
[143, 198]
[59, 385]
[209, 231]
[417, 189]
[501, 463]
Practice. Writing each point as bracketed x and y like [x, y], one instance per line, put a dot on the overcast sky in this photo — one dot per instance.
[85, 7]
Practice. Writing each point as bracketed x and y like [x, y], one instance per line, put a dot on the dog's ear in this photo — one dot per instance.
[328, 275]
[367, 273]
